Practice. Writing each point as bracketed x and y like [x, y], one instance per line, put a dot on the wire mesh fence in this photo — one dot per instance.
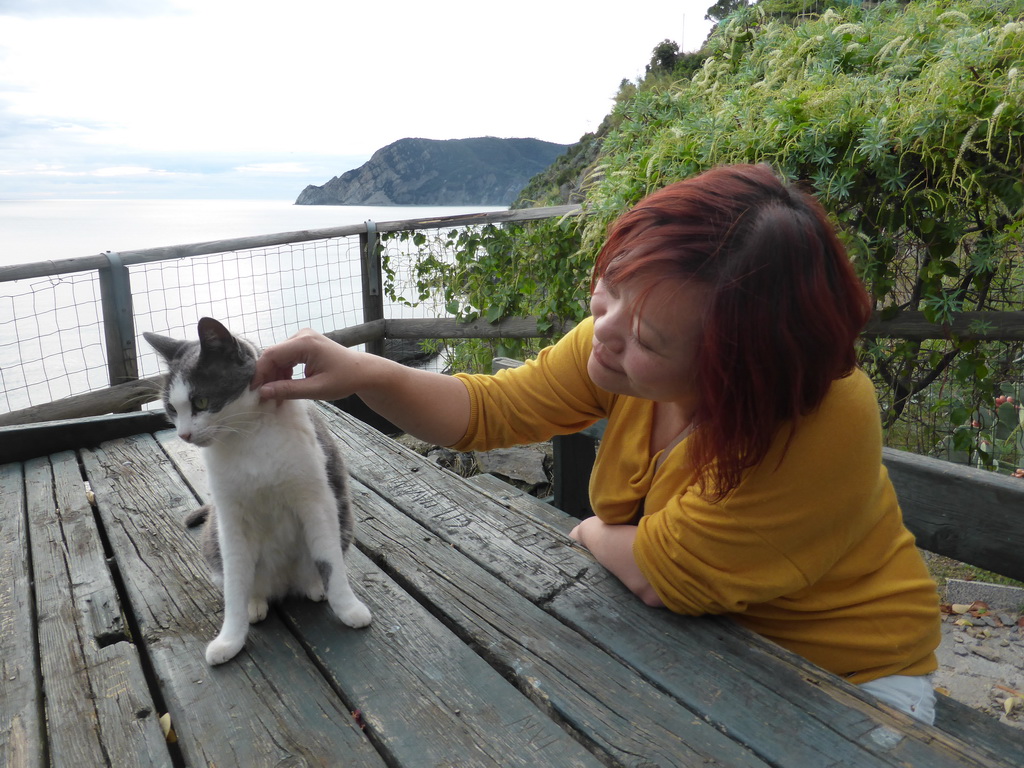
[52, 342]
[52, 333]
[264, 294]
[51, 339]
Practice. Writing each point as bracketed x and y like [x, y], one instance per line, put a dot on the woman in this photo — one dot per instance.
[740, 472]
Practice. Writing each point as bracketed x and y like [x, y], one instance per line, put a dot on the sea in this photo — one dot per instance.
[50, 230]
[46, 230]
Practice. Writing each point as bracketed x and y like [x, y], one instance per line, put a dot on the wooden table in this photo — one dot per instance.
[494, 642]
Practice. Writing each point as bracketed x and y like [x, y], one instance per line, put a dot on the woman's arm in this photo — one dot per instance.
[431, 406]
[612, 545]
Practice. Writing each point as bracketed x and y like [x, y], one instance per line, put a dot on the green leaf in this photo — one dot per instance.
[959, 415]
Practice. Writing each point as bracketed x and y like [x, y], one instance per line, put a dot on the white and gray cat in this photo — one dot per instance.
[281, 521]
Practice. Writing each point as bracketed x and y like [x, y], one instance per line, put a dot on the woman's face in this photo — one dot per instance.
[650, 351]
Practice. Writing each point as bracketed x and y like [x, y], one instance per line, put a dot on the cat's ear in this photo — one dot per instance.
[212, 331]
[214, 338]
[165, 345]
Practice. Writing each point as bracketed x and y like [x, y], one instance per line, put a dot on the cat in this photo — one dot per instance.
[281, 521]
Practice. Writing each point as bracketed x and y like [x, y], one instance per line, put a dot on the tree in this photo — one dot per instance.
[664, 57]
[723, 8]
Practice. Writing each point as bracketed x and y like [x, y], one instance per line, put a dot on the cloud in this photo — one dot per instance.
[273, 168]
[34, 9]
[39, 170]
[127, 170]
[276, 95]
[71, 173]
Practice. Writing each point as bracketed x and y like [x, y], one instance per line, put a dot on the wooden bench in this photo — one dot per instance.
[495, 641]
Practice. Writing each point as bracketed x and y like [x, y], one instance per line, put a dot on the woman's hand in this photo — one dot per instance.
[612, 545]
[428, 405]
[331, 369]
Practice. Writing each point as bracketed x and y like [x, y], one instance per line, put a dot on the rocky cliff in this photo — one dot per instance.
[481, 171]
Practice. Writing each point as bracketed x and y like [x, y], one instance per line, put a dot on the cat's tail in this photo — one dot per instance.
[198, 516]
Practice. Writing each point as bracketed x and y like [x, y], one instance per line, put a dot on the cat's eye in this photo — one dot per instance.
[200, 403]
[171, 410]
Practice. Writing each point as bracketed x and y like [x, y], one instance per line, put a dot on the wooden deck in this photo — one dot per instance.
[495, 642]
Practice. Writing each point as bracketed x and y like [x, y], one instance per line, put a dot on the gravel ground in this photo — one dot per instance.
[981, 663]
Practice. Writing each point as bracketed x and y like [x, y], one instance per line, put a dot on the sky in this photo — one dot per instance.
[252, 99]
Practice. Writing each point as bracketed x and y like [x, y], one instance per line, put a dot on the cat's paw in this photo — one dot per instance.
[353, 614]
[257, 610]
[315, 592]
[223, 649]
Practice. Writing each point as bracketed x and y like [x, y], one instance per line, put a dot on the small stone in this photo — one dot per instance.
[985, 653]
[960, 650]
[990, 621]
[1005, 620]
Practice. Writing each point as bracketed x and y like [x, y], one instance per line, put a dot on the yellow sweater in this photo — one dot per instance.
[810, 550]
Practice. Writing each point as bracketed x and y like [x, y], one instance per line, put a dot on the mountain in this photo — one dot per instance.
[567, 178]
[480, 171]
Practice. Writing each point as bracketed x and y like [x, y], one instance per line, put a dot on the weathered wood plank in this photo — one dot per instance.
[145, 256]
[425, 696]
[188, 461]
[269, 706]
[837, 722]
[440, 328]
[99, 710]
[27, 441]
[827, 720]
[120, 397]
[996, 326]
[524, 504]
[622, 717]
[471, 219]
[22, 738]
[444, 502]
[983, 732]
[961, 512]
[451, 328]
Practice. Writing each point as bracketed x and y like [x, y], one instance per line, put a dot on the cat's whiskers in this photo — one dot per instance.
[151, 390]
[243, 423]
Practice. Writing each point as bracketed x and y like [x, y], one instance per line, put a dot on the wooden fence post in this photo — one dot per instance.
[118, 321]
[373, 293]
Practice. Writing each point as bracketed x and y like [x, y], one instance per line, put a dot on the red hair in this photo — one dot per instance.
[784, 311]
